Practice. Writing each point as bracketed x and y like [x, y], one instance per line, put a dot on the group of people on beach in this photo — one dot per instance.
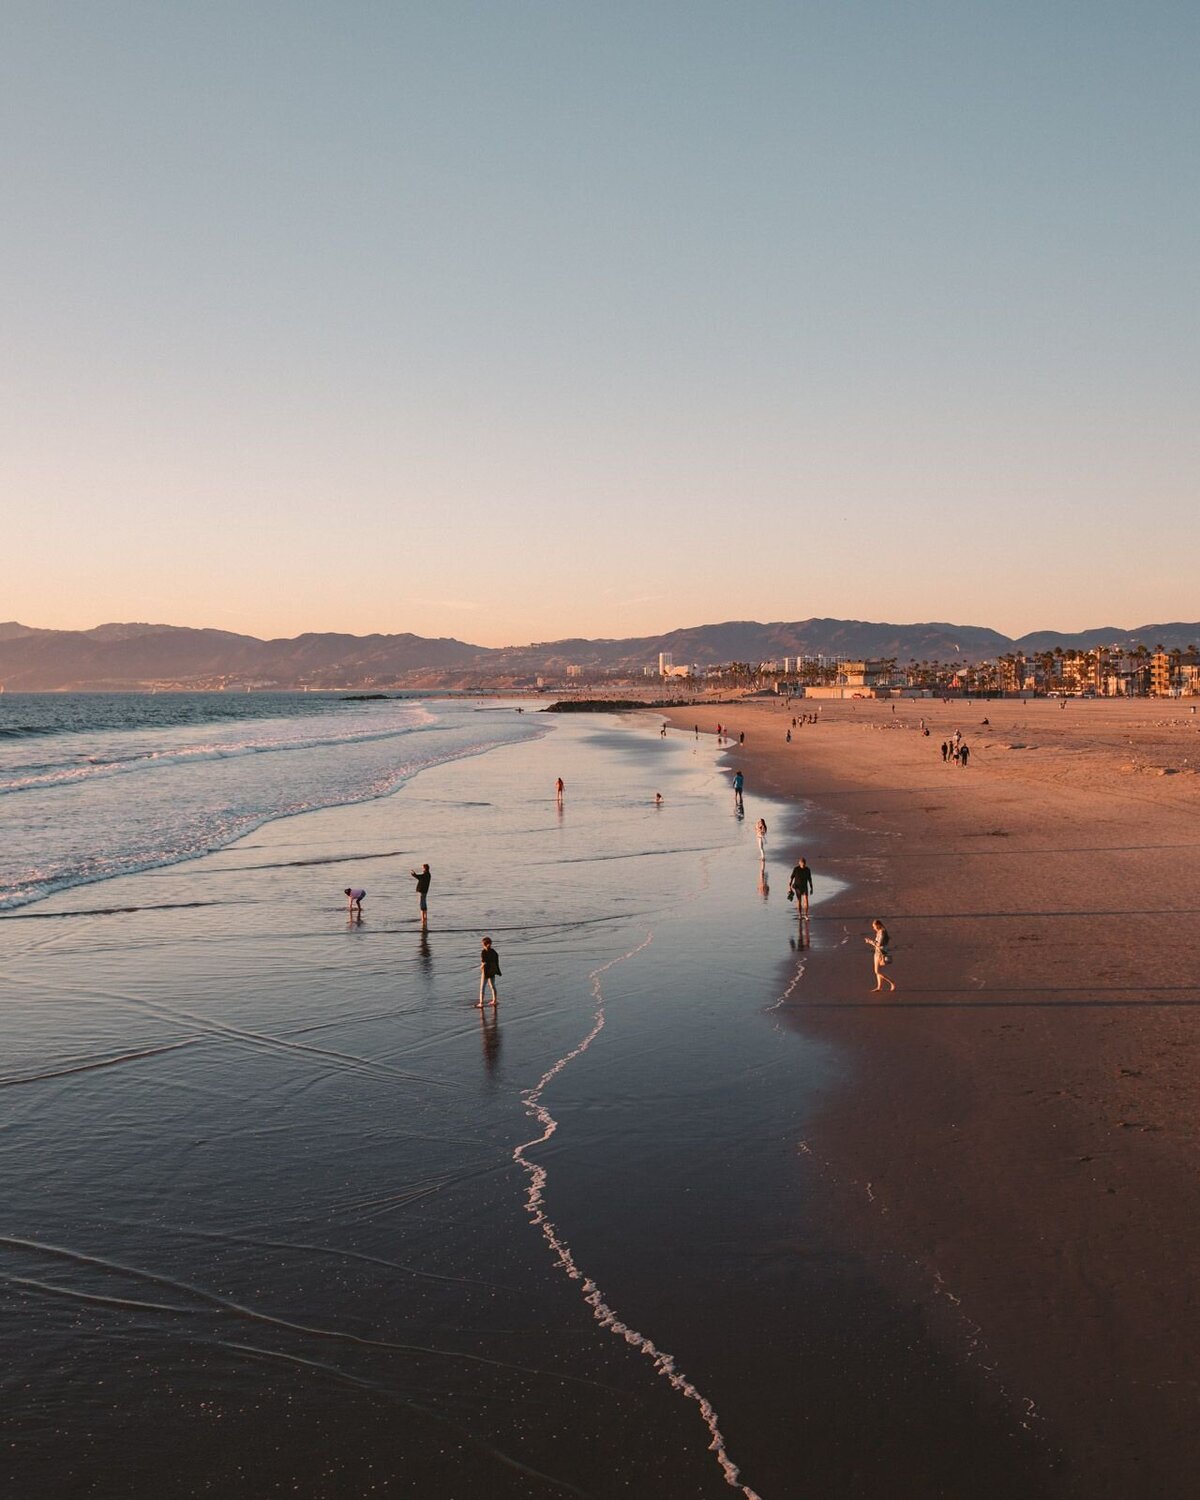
[799, 890]
[956, 750]
[489, 957]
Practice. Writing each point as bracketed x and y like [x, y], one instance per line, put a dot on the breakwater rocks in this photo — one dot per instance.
[598, 705]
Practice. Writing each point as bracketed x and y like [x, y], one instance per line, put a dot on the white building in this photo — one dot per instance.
[666, 661]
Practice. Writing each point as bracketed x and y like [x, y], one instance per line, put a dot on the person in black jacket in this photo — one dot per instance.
[423, 881]
[489, 971]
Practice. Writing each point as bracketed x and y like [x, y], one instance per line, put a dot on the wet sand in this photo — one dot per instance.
[1015, 1144]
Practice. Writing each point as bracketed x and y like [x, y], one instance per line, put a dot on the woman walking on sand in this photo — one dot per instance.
[760, 828]
[880, 957]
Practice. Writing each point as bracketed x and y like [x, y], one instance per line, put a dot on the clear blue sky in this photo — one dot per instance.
[516, 320]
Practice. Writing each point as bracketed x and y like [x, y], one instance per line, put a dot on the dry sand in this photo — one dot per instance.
[1017, 1144]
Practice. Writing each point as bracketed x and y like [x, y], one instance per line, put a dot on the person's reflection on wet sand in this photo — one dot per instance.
[489, 1022]
[424, 954]
[764, 885]
[801, 939]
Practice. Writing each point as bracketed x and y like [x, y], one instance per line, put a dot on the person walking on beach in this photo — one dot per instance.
[964, 754]
[788, 737]
[760, 829]
[742, 738]
[423, 882]
[354, 900]
[945, 752]
[880, 957]
[489, 971]
[560, 787]
[739, 781]
[800, 884]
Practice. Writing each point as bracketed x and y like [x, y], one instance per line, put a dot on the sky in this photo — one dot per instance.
[535, 319]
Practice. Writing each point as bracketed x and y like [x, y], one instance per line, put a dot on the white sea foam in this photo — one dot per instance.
[196, 787]
[603, 1313]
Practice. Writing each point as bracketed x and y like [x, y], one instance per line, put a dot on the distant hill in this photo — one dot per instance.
[131, 656]
[1176, 634]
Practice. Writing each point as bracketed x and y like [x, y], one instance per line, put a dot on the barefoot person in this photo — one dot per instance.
[423, 882]
[560, 787]
[354, 899]
[760, 829]
[880, 957]
[800, 883]
[489, 971]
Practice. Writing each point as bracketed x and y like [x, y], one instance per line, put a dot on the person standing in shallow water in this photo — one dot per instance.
[880, 957]
[760, 829]
[424, 879]
[560, 787]
[489, 971]
[739, 781]
[800, 883]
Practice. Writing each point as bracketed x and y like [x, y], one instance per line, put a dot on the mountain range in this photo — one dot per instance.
[133, 656]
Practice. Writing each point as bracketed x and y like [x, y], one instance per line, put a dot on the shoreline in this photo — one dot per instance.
[1016, 1140]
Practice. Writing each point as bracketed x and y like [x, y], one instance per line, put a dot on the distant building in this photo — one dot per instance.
[1173, 673]
[574, 671]
[865, 674]
[665, 662]
[856, 679]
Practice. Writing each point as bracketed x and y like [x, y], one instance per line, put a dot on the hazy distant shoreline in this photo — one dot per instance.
[145, 657]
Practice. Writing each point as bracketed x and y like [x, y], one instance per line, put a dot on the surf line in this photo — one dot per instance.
[605, 1315]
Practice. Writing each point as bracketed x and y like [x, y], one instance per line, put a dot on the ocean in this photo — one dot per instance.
[284, 1212]
[95, 785]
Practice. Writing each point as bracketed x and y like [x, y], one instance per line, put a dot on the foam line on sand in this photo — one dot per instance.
[603, 1313]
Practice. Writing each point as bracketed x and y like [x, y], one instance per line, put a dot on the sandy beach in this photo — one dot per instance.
[1016, 1134]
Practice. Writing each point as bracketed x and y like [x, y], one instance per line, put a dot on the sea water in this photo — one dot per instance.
[94, 785]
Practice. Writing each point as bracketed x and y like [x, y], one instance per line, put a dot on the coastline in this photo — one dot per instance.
[1016, 1141]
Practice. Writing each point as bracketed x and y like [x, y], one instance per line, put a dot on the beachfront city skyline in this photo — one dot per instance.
[515, 323]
